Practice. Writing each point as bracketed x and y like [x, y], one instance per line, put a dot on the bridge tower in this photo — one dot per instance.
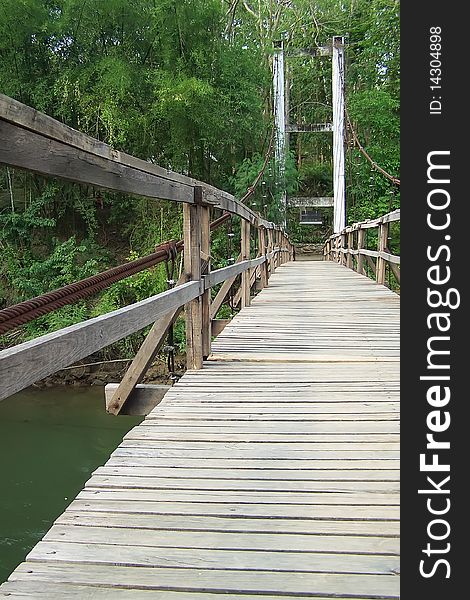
[283, 127]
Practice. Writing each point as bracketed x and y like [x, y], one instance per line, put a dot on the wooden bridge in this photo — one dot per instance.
[271, 468]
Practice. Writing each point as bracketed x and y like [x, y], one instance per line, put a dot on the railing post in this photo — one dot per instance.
[343, 247]
[381, 246]
[360, 246]
[349, 256]
[270, 249]
[192, 220]
[262, 252]
[206, 297]
[245, 252]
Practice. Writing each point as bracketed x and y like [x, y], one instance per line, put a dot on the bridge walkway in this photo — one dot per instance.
[272, 472]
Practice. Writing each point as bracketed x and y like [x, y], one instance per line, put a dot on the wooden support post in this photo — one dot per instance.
[245, 252]
[344, 245]
[262, 252]
[381, 246]
[270, 249]
[361, 234]
[277, 245]
[349, 257]
[327, 250]
[206, 297]
[192, 218]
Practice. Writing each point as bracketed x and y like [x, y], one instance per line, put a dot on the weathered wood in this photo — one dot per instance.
[311, 128]
[226, 273]
[321, 202]
[192, 267]
[36, 142]
[143, 359]
[382, 244]
[141, 401]
[361, 234]
[26, 363]
[350, 244]
[24, 116]
[25, 149]
[218, 325]
[271, 582]
[222, 293]
[246, 275]
[206, 296]
[273, 471]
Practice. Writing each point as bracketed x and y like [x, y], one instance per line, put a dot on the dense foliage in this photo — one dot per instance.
[185, 84]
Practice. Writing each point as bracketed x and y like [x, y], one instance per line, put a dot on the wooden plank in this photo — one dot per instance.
[151, 471]
[59, 591]
[293, 544]
[273, 471]
[225, 273]
[240, 524]
[83, 159]
[218, 325]
[311, 128]
[250, 485]
[244, 496]
[196, 557]
[141, 401]
[25, 149]
[319, 202]
[26, 363]
[249, 582]
[30, 119]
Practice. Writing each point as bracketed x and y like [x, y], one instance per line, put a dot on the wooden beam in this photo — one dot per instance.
[192, 268]
[262, 252]
[311, 128]
[142, 360]
[25, 149]
[143, 399]
[381, 245]
[246, 275]
[218, 325]
[36, 142]
[24, 116]
[360, 245]
[304, 202]
[26, 363]
[206, 297]
[222, 293]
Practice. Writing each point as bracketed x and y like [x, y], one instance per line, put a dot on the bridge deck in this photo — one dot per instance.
[272, 472]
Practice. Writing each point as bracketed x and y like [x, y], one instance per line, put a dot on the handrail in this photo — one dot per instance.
[340, 247]
[33, 141]
[26, 363]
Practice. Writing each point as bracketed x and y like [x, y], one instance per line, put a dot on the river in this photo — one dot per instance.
[50, 442]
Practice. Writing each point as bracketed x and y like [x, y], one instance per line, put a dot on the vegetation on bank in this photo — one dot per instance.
[185, 84]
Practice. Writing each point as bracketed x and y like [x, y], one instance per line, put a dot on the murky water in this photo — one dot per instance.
[50, 442]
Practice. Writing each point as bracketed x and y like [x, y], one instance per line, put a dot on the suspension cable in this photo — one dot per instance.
[360, 147]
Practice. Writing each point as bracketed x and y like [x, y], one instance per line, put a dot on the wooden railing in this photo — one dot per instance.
[349, 247]
[33, 141]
